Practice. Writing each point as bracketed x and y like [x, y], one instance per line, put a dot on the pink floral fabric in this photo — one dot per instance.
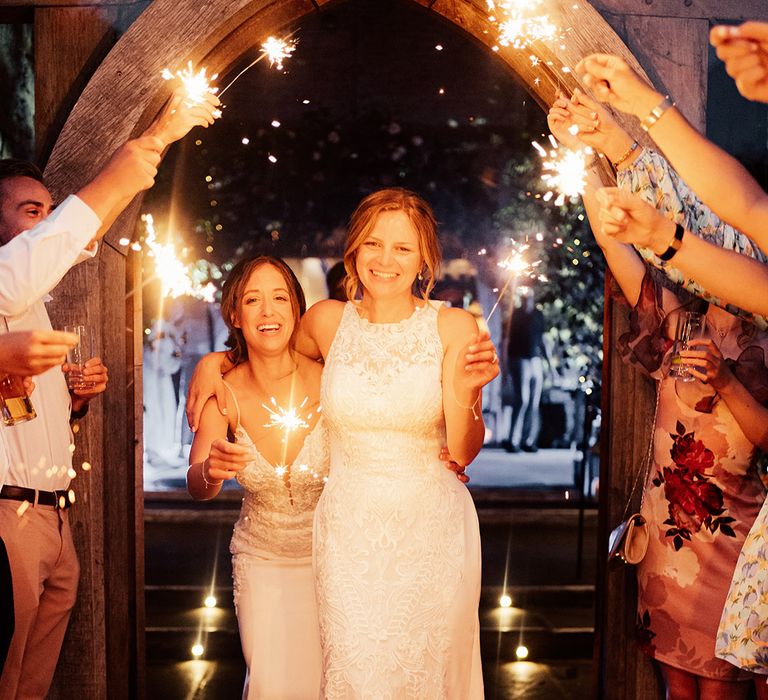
[701, 497]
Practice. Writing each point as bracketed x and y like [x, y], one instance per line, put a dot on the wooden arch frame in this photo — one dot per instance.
[123, 95]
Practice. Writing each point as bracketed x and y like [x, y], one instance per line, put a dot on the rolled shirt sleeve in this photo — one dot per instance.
[34, 262]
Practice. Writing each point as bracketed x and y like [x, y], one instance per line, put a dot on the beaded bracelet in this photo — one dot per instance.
[472, 407]
[208, 484]
[626, 154]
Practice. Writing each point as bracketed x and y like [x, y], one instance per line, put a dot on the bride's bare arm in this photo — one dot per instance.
[469, 363]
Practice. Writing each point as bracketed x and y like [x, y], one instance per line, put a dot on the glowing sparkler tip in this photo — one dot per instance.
[277, 50]
[197, 84]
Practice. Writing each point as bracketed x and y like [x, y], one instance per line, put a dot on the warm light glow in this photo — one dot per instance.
[277, 50]
[521, 22]
[197, 650]
[288, 419]
[505, 601]
[521, 652]
[565, 171]
[210, 601]
[197, 85]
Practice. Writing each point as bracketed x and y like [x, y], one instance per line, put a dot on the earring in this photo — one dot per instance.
[420, 276]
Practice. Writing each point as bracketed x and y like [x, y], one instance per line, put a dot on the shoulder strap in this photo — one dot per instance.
[234, 398]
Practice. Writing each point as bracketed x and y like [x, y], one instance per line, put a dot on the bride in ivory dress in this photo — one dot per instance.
[281, 472]
[396, 538]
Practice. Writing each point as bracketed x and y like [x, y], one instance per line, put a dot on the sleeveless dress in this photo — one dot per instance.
[274, 587]
[701, 497]
[396, 539]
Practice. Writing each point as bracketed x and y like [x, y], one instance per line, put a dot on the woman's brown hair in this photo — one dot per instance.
[364, 219]
[232, 293]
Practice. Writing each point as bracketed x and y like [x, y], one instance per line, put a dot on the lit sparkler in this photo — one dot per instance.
[288, 419]
[197, 84]
[565, 171]
[273, 49]
[176, 277]
[517, 266]
[521, 22]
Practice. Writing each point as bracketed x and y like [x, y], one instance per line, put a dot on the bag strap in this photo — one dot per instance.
[642, 474]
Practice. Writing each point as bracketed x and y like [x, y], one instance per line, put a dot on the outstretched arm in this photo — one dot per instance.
[717, 178]
[735, 278]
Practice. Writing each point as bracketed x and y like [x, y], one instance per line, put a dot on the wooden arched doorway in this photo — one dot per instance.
[123, 95]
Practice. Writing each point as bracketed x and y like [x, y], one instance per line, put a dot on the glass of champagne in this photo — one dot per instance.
[78, 356]
[15, 405]
[690, 326]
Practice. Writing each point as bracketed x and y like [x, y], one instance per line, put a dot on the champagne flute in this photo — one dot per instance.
[691, 325]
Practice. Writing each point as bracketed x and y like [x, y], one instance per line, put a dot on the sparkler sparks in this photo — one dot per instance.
[288, 419]
[176, 278]
[521, 22]
[276, 50]
[517, 266]
[197, 84]
[565, 171]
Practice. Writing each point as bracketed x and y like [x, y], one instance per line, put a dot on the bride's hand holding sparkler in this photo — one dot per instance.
[476, 365]
[612, 80]
[180, 115]
[224, 461]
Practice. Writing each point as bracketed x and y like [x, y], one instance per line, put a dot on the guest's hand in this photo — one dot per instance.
[94, 378]
[562, 124]
[744, 50]
[206, 382]
[225, 460]
[445, 456]
[178, 117]
[707, 364]
[31, 352]
[612, 80]
[627, 218]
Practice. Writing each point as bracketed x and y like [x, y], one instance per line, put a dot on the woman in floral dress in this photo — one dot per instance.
[702, 493]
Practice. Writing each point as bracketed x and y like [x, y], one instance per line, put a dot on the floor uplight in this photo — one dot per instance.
[197, 650]
[505, 601]
[521, 652]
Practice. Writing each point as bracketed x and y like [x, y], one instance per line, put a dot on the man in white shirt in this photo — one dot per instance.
[35, 477]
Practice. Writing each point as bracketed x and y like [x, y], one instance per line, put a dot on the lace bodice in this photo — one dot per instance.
[276, 516]
[382, 395]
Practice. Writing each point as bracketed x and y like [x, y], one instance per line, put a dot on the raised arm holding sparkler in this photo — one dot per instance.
[718, 179]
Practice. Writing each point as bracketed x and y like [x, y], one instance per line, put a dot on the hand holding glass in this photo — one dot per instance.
[78, 356]
[690, 326]
[15, 405]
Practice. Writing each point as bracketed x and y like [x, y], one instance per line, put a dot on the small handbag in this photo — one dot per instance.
[628, 541]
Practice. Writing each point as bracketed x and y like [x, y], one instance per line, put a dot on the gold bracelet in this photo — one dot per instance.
[626, 154]
[472, 407]
[656, 113]
[208, 484]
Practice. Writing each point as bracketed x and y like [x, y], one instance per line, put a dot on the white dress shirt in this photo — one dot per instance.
[36, 454]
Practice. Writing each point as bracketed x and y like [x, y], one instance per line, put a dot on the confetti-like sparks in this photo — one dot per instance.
[277, 50]
[518, 266]
[176, 278]
[287, 419]
[521, 22]
[197, 84]
[565, 171]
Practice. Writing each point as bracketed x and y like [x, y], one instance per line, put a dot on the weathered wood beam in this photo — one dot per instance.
[687, 9]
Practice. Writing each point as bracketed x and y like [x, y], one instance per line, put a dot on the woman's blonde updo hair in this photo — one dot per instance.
[232, 293]
[364, 219]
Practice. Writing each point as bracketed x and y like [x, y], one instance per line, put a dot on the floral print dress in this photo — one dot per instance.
[652, 179]
[702, 493]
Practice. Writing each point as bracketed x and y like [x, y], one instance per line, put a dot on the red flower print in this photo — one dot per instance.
[688, 453]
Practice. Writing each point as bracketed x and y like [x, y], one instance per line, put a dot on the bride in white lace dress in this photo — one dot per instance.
[282, 474]
[397, 546]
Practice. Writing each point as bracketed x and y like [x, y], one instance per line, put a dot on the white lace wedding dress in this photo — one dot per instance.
[397, 544]
[272, 570]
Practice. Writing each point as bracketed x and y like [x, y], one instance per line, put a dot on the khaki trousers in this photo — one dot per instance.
[45, 572]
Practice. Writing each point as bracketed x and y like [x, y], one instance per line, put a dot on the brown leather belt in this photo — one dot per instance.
[41, 498]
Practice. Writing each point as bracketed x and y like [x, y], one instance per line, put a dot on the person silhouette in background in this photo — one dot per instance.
[525, 363]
